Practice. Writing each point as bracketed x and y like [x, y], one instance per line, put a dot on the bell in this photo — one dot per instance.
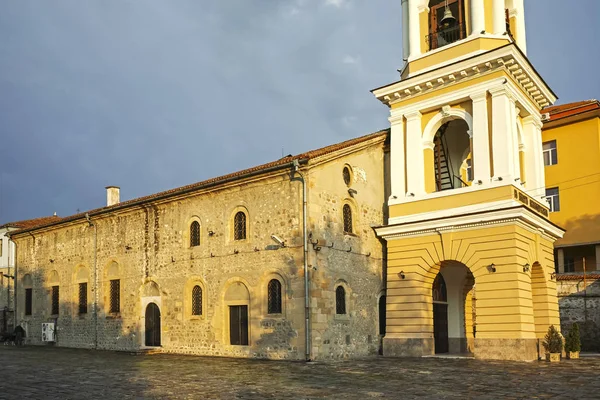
[448, 20]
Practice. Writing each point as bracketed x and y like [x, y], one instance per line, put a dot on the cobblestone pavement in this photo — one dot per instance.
[56, 373]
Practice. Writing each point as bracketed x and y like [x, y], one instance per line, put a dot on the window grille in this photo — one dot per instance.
[239, 226]
[340, 300]
[28, 300]
[549, 152]
[347, 176]
[553, 199]
[274, 297]
[83, 298]
[115, 295]
[55, 299]
[195, 234]
[347, 211]
[197, 300]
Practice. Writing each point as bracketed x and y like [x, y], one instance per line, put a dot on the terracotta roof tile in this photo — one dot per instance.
[576, 276]
[570, 109]
[31, 223]
[222, 179]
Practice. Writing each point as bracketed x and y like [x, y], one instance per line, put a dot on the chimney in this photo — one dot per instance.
[112, 195]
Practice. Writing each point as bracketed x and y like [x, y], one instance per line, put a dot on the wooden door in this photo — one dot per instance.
[440, 327]
[238, 325]
[152, 325]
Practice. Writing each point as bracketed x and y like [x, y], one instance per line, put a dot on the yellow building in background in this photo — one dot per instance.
[571, 149]
[469, 239]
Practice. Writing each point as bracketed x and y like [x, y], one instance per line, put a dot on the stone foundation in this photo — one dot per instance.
[506, 349]
[407, 347]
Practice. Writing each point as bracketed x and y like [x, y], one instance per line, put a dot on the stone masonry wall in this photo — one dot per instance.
[581, 304]
[149, 247]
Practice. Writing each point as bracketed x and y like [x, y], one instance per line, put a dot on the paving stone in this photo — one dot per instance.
[59, 373]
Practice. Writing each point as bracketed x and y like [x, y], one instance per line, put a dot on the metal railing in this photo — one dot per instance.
[443, 37]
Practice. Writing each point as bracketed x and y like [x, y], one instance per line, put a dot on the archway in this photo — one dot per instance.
[152, 325]
[452, 148]
[453, 321]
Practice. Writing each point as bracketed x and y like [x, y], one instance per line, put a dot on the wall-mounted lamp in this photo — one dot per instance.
[401, 275]
[526, 267]
[491, 268]
[211, 233]
[352, 192]
[553, 276]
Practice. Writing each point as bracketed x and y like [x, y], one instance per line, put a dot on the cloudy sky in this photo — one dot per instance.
[152, 94]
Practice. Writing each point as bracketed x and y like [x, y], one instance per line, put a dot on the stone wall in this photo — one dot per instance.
[147, 247]
[580, 303]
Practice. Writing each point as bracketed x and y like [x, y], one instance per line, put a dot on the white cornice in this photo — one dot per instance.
[506, 58]
[474, 221]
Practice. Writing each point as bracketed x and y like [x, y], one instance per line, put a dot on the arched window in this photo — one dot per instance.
[197, 300]
[340, 300]
[274, 297]
[195, 234]
[438, 290]
[239, 226]
[347, 211]
[347, 175]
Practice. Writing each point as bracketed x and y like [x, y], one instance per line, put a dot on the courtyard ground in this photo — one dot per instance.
[56, 373]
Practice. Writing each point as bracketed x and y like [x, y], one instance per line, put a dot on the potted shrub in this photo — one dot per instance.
[573, 342]
[553, 344]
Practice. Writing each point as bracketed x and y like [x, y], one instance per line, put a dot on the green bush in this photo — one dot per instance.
[553, 341]
[573, 340]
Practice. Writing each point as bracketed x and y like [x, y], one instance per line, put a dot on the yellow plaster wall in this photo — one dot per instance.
[577, 176]
[489, 20]
[508, 303]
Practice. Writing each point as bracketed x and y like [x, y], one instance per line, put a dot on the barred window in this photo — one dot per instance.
[239, 226]
[340, 300]
[28, 300]
[83, 298]
[115, 295]
[347, 176]
[274, 297]
[195, 234]
[197, 300]
[55, 300]
[347, 211]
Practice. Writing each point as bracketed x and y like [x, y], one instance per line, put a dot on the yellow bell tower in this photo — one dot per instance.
[470, 246]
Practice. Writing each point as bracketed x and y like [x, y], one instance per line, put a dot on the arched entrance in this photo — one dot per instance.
[152, 325]
[440, 315]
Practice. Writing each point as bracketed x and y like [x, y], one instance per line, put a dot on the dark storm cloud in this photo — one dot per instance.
[151, 95]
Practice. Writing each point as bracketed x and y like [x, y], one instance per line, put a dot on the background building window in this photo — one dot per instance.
[553, 200]
[83, 298]
[55, 300]
[115, 295]
[340, 300]
[197, 300]
[195, 234]
[274, 297]
[239, 226]
[569, 264]
[28, 300]
[549, 151]
[347, 211]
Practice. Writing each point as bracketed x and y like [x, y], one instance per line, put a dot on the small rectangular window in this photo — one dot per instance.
[83, 298]
[553, 199]
[115, 295]
[28, 300]
[55, 299]
[549, 151]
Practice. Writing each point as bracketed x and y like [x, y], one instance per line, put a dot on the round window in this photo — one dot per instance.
[347, 176]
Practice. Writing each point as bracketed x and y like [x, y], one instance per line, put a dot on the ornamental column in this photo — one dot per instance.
[477, 17]
[498, 17]
[481, 139]
[397, 160]
[534, 161]
[413, 29]
[502, 134]
[405, 44]
[519, 12]
[415, 168]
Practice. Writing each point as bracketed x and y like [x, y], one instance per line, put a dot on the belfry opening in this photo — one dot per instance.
[452, 156]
